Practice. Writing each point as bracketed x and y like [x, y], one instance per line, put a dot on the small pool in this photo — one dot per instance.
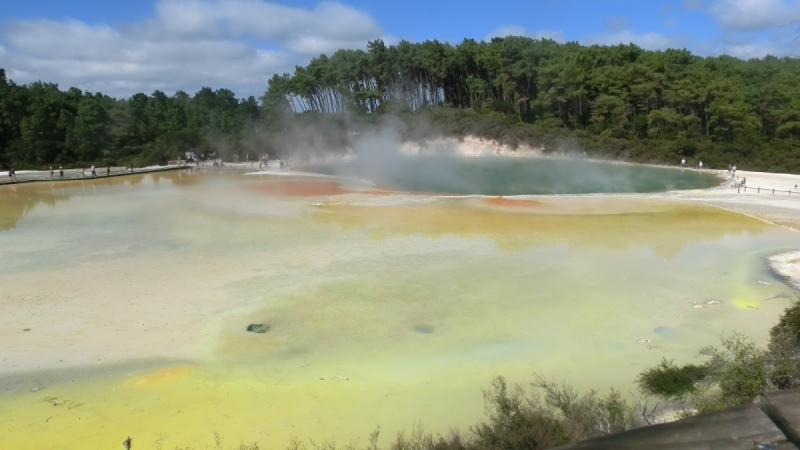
[513, 176]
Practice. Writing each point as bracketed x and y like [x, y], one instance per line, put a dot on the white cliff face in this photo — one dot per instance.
[469, 146]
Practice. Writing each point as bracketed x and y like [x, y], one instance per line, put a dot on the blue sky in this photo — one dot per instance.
[125, 47]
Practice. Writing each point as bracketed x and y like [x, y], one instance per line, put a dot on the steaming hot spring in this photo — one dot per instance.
[186, 303]
[511, 176]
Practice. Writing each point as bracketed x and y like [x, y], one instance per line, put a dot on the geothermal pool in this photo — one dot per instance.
[512, 176]
[382, 308]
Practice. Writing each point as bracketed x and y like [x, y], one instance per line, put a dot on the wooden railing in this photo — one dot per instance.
[770, 422]
[759, 190]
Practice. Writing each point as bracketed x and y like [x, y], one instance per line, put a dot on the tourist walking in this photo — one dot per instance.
[11, 175]
[108, 171]
[94, 173]
[700, 165]
[83, 172]
[61, 171]
[51, 172]
[683, 162]
[127, 443]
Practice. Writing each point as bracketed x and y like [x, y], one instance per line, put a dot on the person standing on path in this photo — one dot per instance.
[61, 171]
[94, 173]
[11, 174]
[700, 165]
[51, 172]
[127, 443]
[683, 162]
[108, 171]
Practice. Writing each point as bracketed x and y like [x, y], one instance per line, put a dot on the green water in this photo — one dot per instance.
[514, 176]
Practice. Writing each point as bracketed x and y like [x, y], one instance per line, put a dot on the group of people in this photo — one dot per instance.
[263, 161]
[699, 165]
[60, 172]
[94, 171]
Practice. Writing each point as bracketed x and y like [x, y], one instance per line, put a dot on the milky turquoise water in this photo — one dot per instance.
[382, 309]
[513, 176]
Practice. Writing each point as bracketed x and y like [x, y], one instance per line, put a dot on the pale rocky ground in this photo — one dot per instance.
[780, 208]
[788, 266]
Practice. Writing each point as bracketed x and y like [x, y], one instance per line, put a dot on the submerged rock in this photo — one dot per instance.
[258, 328]
[665, 331]
[424, 328]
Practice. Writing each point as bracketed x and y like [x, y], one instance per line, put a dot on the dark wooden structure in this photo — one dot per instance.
[770, 422]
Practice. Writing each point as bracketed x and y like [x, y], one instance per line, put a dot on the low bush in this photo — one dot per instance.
[671, 382]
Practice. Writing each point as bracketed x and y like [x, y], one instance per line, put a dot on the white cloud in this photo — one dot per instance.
[650, 41]
[751, 45]
[513, 30]
[755, 14]
[753, 50]
[238, 44]
[303, 30]
[692, 5]
[617, 23]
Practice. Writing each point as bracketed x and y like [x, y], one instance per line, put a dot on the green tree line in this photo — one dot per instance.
[620, 101]
[617, 91]
[42, 125]
[637, 104]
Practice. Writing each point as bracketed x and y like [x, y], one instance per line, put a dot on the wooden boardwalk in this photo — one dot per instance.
[770, 422]
[76, 175]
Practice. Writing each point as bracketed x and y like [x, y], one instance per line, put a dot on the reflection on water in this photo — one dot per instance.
[17, 202]
[377, 309]
[665, 232]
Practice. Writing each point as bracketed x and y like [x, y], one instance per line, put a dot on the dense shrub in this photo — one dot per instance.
[671, 382]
